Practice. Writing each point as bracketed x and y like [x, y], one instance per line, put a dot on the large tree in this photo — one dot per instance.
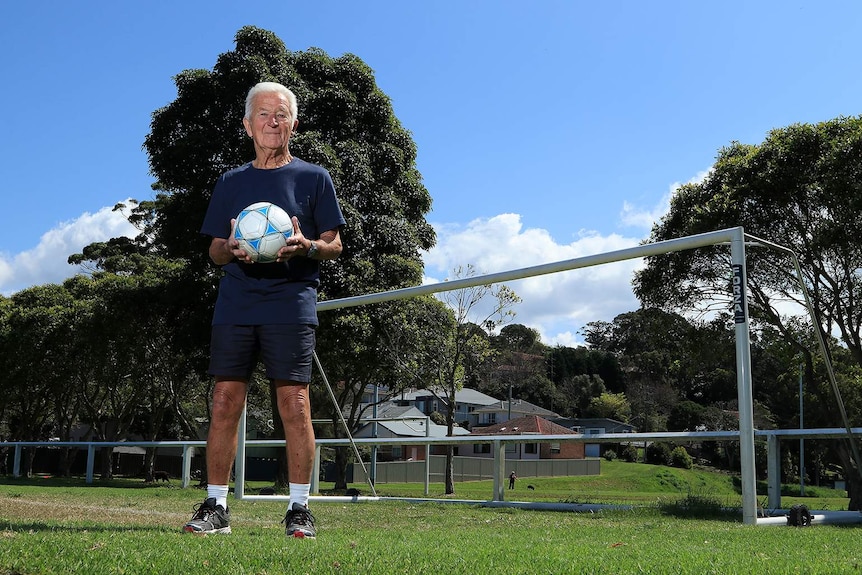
[800, 188]
[35, 343]
[347, 125]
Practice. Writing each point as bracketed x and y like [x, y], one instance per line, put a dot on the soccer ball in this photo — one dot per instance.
[262, 229]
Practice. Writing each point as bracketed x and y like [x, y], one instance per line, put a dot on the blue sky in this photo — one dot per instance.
[546, 130]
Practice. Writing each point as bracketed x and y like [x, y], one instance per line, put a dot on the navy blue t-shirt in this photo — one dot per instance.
[273, 293]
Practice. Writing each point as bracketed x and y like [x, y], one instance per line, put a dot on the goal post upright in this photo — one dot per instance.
[743, 378]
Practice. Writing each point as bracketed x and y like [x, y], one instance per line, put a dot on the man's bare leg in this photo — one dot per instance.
[213, 516]
[294, 406]
[227, 405]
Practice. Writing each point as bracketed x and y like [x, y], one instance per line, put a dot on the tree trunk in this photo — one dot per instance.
[450, 449]
[342, 460]
[149, 464]
[28, 462]
[851, 476]
[450, 474]
[107, 463]
[66, 460]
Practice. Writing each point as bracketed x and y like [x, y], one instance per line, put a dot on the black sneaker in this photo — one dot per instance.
[209, 518]
[299, 522]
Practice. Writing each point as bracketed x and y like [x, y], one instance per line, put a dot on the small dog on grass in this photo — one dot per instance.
[161, 476]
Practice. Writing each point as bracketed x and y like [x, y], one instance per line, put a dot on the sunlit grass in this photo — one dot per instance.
[96, 533]
[62, 526]
[619, 483]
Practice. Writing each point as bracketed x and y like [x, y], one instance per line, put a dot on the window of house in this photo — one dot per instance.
[529, 448]
[492, 418]
[555, 447]
[481, 448]
[511, 448]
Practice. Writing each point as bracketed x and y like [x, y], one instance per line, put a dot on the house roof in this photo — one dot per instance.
[612, 425]
[526, 424]
[391, 410]
[417, 429]
[519, 406]
[414, 428]
[465, 395]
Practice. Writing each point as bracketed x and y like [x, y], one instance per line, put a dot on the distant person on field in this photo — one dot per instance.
[267, 310]
[512, 478]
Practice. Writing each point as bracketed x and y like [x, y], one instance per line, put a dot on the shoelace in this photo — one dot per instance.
[300, 517]
[203, 512]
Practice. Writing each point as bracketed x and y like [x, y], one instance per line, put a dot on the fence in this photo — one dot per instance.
[475, 469]
[499, 464]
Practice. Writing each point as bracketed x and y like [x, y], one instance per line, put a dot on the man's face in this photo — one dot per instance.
[270, 124]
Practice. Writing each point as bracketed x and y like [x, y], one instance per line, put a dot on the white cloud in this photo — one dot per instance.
[557, 304]
[47, 262]
[644, 218]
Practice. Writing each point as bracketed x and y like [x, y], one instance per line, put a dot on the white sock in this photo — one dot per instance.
[298, 494]
[219, 492]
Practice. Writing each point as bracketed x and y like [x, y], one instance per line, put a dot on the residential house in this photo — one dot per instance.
[467, 401]
[530, 425]
[404, 421]
[503, 411]
[594, 426]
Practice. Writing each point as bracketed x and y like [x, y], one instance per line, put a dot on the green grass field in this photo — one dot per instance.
[619, 483]
[62, 526]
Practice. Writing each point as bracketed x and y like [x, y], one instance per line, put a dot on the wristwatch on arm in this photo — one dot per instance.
[312, 250]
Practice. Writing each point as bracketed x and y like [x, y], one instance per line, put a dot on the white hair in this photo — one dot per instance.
[268, 88]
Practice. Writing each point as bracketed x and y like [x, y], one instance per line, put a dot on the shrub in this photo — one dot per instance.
[630, 453]
[679, 457]
[609, 454]
[658, 453]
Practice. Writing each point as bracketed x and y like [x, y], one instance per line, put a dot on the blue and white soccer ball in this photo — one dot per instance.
[262, 229]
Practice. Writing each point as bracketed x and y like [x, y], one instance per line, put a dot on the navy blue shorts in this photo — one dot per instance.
[285, 350]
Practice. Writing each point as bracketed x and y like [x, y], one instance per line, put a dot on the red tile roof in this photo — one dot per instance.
[526, 424]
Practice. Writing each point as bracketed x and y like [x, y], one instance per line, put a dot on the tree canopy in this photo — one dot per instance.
[800, 188]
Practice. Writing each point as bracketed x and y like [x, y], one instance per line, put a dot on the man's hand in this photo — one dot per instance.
[224, 250]
[297, 244]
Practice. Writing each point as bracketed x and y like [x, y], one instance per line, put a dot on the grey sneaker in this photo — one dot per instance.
[299, 522]
[209, 518]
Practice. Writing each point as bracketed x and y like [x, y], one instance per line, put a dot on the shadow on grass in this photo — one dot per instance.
[52, 481]
[41, 526]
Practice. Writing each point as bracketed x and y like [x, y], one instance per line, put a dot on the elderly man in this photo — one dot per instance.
[267, 311]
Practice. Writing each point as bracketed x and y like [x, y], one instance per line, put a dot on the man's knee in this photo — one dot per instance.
[228, 403]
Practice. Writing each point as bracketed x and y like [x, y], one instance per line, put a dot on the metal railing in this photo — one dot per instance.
[772, 437]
